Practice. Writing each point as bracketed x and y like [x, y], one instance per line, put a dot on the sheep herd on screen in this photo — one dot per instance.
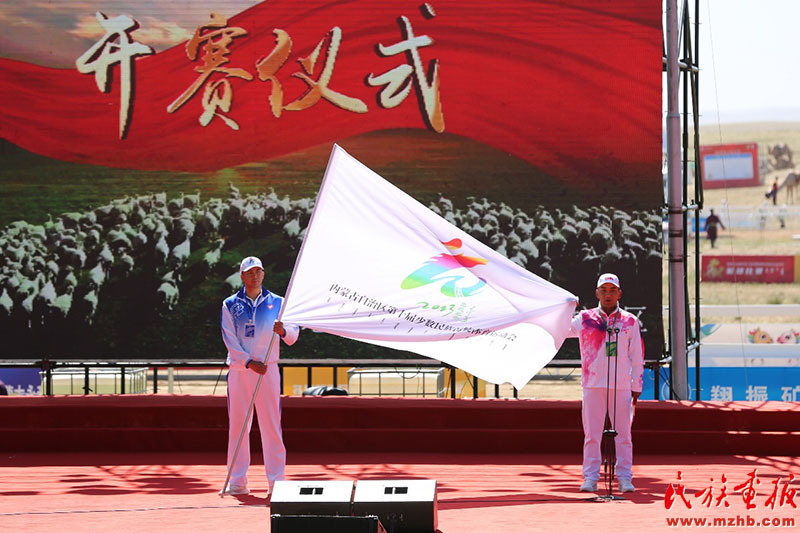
[59, 268]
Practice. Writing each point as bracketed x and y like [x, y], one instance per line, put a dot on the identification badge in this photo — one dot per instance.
[249, 330]
[611, 349]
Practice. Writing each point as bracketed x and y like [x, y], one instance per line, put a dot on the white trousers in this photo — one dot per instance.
[241, 385]
[593, 413]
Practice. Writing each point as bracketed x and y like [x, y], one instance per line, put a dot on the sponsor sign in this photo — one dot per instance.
[749, 268]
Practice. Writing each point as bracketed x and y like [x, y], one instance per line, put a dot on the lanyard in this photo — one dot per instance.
[611, 346]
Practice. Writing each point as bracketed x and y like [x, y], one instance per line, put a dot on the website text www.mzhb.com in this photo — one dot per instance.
[737, 521]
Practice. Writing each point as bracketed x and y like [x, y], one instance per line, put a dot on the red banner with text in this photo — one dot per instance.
[286, 75]
[749, 268]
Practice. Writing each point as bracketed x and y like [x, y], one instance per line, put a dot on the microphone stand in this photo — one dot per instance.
[609, 462]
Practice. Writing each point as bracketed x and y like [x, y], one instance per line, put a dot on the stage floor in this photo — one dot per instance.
[477, 492]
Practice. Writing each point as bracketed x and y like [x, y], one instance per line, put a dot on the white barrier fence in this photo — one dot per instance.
[745, 310]
[766, 216]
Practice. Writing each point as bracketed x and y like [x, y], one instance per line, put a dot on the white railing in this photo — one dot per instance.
[745, 310]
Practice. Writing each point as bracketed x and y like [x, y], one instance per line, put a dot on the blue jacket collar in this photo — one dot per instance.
[242, 294]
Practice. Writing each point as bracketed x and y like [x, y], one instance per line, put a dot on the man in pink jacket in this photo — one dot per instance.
[612, 360]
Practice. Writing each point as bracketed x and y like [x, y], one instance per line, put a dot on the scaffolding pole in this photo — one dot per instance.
[677, 252]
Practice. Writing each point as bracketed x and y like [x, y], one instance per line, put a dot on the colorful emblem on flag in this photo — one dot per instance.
[444, 267]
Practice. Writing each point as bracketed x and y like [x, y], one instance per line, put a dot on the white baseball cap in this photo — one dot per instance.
[250, 262]
[608, 278]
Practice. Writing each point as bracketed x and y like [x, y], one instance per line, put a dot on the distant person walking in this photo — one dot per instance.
[711, 227]
[772, 193]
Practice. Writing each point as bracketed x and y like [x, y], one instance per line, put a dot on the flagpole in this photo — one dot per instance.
[310, 225]
[244, 426]
[280, 315]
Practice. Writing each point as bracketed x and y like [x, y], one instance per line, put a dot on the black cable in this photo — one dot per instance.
[614, 416]
[217, 382]
[606, 447]
[668, 383]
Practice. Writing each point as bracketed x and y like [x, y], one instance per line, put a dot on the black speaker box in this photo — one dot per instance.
[403, 505]
[325, 524]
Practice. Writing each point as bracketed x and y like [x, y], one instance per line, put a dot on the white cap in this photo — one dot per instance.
[608, 278]
[250, 262]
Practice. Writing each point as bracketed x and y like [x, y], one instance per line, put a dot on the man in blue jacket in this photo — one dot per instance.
[249, 322]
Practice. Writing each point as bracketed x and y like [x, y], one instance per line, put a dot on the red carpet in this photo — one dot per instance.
[164, 423]
[478, 493]
[501, 465]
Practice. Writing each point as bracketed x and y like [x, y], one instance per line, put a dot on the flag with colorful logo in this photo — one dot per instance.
[379, 267]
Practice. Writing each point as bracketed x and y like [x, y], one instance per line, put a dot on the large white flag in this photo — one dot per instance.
[378, 266]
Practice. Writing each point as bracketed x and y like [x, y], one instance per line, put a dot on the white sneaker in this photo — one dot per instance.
[625, 485]
[589, 486]
[237, 491]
